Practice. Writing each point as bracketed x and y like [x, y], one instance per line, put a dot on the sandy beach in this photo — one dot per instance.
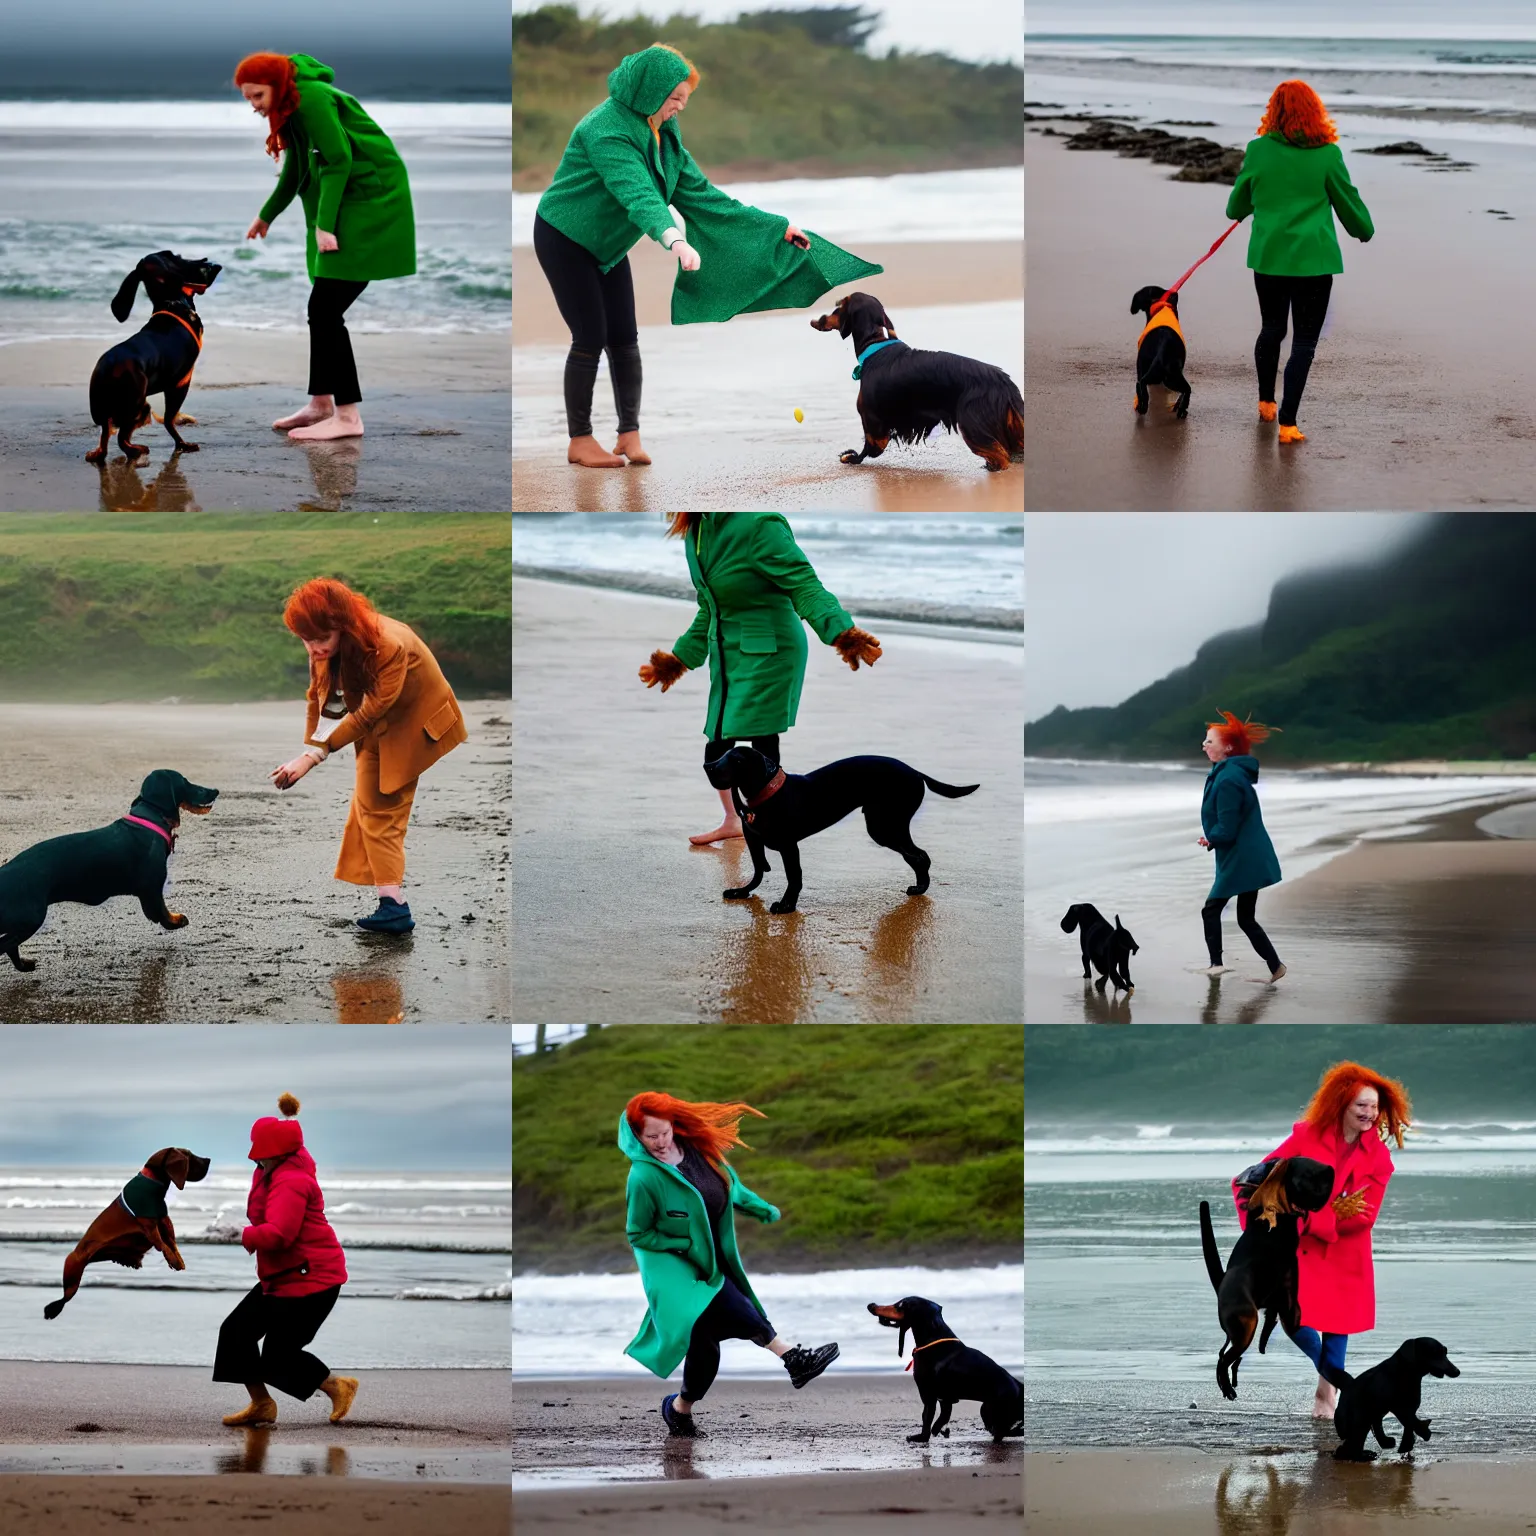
[618, 919]
[272, 934]
[1410, 404]
[435, 410]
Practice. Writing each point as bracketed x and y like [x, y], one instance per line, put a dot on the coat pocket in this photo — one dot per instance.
[441, 721]
[757, 636]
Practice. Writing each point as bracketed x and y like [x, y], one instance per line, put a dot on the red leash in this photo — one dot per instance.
[1216, 247]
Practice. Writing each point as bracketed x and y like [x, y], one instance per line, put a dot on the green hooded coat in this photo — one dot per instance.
[349, 179]
[668, 1229]
[754, 587]
[1293, 192]
[616, 178]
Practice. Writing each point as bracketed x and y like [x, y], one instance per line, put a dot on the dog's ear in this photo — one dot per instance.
[1069, 922]
[122, 301]
[176, 1166]
[1270, 1201]
[1117, 923]
[841, 311]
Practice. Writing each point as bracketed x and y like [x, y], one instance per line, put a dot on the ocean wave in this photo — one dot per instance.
[436, 1293]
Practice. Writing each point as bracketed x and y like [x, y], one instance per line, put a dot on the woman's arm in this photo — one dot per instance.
[286, 1206]
[393, 667]
[288, 179]
[1240, 201]
[754, 1205]
[693, 644]
[641, 1223]
[329, 138]
[626, 176]
[1346, 201]
[1230, 804]
[780, 561]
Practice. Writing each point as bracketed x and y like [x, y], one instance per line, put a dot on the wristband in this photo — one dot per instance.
[318, 753]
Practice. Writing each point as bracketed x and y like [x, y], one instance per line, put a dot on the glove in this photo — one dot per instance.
[663, 668]
[856, 645]
[672, 238]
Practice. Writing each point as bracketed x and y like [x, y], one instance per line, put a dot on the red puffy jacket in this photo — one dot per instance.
[289, 1231]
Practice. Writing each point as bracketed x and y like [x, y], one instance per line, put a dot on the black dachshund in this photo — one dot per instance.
[907, 393]
[1108, 948]
[779, 809]
[946, 1372]
[1160, 350]
[128, 858]
[1262, 1274]
[157, 359]
[1392, 1387]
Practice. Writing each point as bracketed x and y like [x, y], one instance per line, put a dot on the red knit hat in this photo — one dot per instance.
[271, 1137]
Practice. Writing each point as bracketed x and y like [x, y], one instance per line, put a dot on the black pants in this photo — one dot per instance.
[1305, 299]
[716, 749]
[599, 308]
[332, 370]
[1247, 905]
[288, 1323]
[730, 1315]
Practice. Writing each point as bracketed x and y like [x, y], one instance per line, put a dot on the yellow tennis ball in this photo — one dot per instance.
[799, 414]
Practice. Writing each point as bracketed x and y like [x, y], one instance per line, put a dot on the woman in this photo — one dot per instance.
[1347, 1125]
[376, 678]
[625, 174]
[1233, 828]
[1293, 181]
[681, 1196]
[301, 1269]
[360, 226]
[754, 587]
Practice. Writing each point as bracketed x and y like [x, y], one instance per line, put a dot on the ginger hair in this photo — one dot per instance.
[276, 70]
[692, 82]
[682, 522]
[287, 1104]
[1296, 112]
[1242, 736]
[713, 1129]
[325, 606]
[1336, 1092]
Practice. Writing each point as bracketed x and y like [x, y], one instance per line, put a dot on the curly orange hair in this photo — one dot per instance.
[1297, 112]
[712, 1128]
[324, 606]
[276, 70]
[1336, 1092]
[1241, 735]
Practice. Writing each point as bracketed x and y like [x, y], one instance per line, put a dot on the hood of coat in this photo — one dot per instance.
[306, 67]
[1242, 763]
[635, 1150]
[643, 81]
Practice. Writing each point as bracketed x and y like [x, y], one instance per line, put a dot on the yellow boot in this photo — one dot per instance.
[1267, 410]
[262, 1411]
[1292, 435]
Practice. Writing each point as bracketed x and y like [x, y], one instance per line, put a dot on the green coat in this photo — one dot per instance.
[614, 183]
[349, 179]
[754, 587]
[1234, 827]
[668, 1229]
[1293, 191]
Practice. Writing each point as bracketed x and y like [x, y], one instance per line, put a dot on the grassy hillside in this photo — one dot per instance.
[1429, 652]
[146, 607]
[883, 1144]
[775, 88]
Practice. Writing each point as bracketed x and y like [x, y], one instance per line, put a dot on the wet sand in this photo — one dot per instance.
[435, 409]
[618, 919]
[272, 935]
[1411, 404]
[718, 418]
[1190, 1493]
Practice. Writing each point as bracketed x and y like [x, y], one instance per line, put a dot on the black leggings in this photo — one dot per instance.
[716, 749]
[288, 1324]
[599, 308]
[1247, 905]
[730, 1315]
[332, 369]
[1306, 301]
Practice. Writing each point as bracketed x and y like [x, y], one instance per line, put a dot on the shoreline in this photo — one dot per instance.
[982, 1257]
[1407, 768]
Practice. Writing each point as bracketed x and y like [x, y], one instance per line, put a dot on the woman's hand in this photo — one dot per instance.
[688, 258]
[326, 241]
[1203, 843]
[663, 668]
[258, 230]
[286, 775]
[797, 237]
[856, 645]
[1347, 1205]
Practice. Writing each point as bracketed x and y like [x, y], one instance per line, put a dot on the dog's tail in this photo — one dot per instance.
[949, 791]
[1213, 1265]
[990, 416]
[1336, 1374]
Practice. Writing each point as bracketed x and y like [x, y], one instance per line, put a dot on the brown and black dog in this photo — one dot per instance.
[122, 1235]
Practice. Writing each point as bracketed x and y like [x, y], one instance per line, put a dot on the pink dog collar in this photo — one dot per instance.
[139, 821]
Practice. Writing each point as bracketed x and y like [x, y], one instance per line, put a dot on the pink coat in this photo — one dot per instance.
[1338, 1279]
[288, 1230]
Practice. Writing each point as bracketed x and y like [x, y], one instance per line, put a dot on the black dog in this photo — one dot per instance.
[1160, 350]
[947, 1372]
[127, 858]
[157, 360]
[1391, 1387]
[1262, 1275]
[906, 393]
[1110, 949]
[782, 809]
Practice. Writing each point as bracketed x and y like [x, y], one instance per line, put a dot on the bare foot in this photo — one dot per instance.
[1322, 1407]
[305, 417]
[1276, 974]
[731, 828]
[629, 445]
[345, 423]
[589, 452]
[1212, 970]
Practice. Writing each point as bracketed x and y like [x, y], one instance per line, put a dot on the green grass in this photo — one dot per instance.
[883, 1143]
[148, 606]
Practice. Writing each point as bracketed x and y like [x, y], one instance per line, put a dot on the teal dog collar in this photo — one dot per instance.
[869, 351]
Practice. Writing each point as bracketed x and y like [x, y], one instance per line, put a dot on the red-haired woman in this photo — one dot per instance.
[1352, 1116]
[1233, 829]
[360, 225]
[1293, 181]
[376, 678]
[681, 1197]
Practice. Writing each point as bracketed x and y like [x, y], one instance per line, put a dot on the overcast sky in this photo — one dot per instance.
[1115, 600]
[1262, 18]
[386, 1097]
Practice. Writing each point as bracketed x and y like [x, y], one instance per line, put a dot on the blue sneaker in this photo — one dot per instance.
[392, 917]
[679, 1423]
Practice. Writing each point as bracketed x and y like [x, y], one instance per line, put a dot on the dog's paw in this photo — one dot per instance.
[737, 893]
[178, 920]
[1181, 414]
[22, 963]
[917, 1439]
[943, 1432]
[96, 456]
[850, 457]
[188, 447]
[780, 907]
[918, 890]
[53, 1309]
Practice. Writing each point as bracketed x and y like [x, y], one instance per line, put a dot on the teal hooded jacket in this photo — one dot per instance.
[1234, 827]
[668, 1229]
[616, 178]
